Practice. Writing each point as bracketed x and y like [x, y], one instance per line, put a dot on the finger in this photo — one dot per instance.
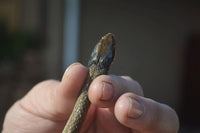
[53, 99]
[145, 115]
[70, 87]
[106, 89]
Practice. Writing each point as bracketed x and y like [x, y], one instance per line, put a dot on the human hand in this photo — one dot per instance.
[118, 106]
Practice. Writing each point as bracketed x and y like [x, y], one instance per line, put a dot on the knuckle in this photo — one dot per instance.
[134, 85]
[127, 78]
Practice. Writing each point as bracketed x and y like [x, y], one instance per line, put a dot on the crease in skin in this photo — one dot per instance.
[37, 115]
[30, 103]
[29, 111]
[19, 120]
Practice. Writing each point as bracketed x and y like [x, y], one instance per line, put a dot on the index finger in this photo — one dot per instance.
[106, 89]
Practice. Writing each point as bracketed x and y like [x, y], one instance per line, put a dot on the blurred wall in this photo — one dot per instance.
[10, 12]
[54, 37]
[150, 41]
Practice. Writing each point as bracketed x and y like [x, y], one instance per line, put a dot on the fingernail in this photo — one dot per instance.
[136, 109]
[76, 63]
[107, 91]
[69, 69]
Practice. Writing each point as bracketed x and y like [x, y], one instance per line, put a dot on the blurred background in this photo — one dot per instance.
[158, 44]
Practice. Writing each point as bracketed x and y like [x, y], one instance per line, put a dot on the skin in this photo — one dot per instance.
[115, 101]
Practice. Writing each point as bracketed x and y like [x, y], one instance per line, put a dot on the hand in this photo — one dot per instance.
[118, 106]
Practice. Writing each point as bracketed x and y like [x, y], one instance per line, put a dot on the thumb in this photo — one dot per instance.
[54, 99]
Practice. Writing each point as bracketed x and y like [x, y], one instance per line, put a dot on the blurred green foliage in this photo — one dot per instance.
[14, 45]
